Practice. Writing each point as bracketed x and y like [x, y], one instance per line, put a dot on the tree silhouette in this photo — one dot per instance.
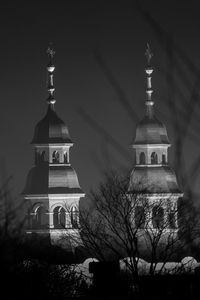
[129, 227]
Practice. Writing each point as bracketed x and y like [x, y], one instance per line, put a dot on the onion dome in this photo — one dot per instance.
[45, 179]
[51, 129]
[161, 179]
[150, 130]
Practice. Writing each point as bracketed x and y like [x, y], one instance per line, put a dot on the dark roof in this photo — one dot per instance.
[45, 179]
[151, 131]
[161, 179]
[51, 129]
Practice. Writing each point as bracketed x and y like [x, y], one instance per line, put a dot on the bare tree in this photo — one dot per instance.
[131, 225]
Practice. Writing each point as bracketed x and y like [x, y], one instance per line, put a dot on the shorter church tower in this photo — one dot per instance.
[52, 191]
[152, 179]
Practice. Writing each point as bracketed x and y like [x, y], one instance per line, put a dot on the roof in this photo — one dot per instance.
[45, 179]
[51, 129]
[160, 179]
[151, 131]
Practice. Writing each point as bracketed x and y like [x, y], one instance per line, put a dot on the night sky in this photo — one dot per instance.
[99, 80]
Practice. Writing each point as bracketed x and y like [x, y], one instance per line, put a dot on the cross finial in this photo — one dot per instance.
[50, 51]
[148, 54]
[50, 69]
[149, 70]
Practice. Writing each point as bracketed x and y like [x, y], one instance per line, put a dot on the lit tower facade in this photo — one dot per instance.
[52, 191]
[152, 179]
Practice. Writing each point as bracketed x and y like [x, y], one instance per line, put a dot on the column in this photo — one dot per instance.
[51, 224]
[32, 222]
[68, 220]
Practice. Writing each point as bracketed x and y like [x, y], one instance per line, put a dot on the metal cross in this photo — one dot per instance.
[51, 52]
[148, 54]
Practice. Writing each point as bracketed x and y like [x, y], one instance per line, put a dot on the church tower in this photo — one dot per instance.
[152, 178]
[52, 191]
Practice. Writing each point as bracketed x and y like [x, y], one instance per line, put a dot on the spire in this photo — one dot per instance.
[149, 70]
[50, 69]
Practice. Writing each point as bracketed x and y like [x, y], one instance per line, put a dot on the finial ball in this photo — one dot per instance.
[50, 68]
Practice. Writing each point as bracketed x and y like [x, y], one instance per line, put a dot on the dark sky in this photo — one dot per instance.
[99, 79]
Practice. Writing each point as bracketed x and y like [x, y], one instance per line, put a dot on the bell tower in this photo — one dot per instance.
[52, 191]
[152, 178]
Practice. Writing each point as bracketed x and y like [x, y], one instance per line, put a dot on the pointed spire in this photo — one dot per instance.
[50, 69]
[149, 70]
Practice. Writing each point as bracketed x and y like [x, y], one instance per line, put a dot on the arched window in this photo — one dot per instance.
[139, 217]
[74, 217]
[59, 217]
[142, 158]
[42, 157]
[164, 159]
[158, 217]
[154, 158]
[55, 157]
[172, 219]
[37, 157]
[65, 158]
[41, 218]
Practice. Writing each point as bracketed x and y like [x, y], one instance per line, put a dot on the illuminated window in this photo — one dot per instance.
[42, 156]
[55, 157]
[59, 217]
[142, 158]
[158, 217]
[74, 217]
[139, 217]
[154, 158]
[41, 219]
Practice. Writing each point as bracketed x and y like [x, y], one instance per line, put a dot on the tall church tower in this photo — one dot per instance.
[152, 178]
[52, 191]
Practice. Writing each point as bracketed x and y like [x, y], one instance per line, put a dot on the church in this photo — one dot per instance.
[52, 191]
